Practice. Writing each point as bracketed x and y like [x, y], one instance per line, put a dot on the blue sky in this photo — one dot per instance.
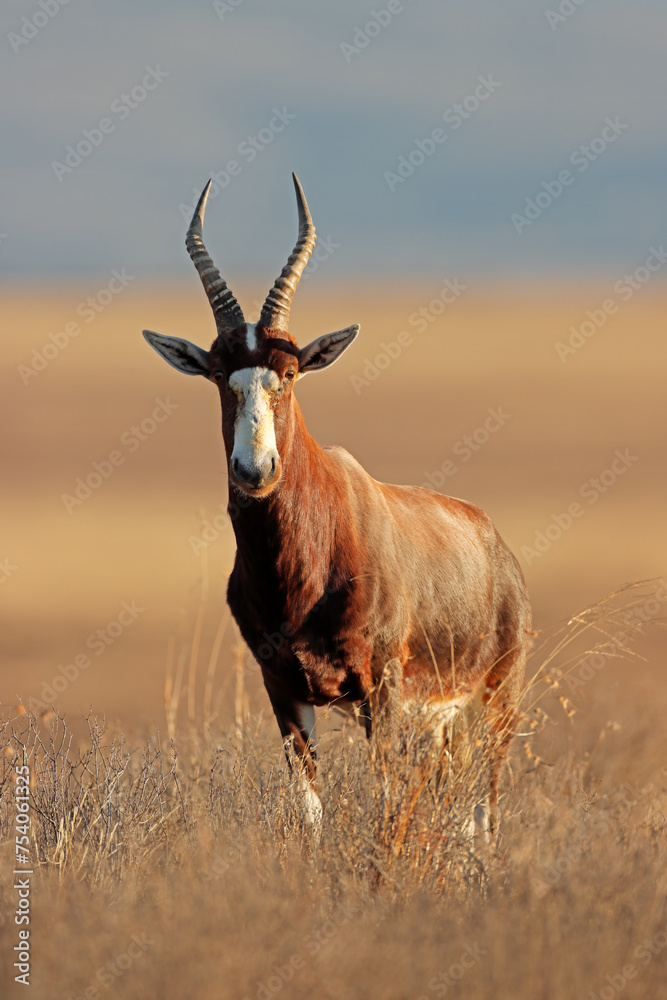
[350, 103]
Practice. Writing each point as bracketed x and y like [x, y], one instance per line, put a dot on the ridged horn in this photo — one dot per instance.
[276, 309]
[226, 310]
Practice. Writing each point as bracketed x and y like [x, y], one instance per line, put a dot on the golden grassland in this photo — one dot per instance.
[179, 866]
[186, 829]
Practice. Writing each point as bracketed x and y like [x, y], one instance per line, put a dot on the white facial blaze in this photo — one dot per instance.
[254, 431]
[251, 336]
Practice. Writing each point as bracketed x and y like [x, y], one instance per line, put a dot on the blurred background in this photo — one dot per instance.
[487, 185]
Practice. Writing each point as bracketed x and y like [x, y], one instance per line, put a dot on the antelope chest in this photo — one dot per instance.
[313, 678]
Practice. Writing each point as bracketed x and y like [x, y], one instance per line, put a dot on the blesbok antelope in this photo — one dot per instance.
[353, 573]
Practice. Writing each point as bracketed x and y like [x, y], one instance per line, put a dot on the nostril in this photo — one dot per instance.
[242, 474]
[250, 476]
[254, 474]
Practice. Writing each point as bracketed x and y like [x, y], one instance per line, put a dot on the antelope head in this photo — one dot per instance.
[254, 365]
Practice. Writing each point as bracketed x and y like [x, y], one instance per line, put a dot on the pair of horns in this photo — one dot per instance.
[276, 308]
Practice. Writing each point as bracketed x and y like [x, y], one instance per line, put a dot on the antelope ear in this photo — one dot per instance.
[180, 354]
[326, 349]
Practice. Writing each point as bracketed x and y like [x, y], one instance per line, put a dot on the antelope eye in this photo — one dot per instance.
[218, 376]
[289, 375]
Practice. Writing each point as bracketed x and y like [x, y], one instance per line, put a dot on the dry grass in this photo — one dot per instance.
[196, 845]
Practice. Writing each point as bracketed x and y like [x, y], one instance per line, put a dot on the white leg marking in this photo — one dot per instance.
[312, 806]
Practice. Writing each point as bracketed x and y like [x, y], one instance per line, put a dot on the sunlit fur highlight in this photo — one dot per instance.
[355, 573]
